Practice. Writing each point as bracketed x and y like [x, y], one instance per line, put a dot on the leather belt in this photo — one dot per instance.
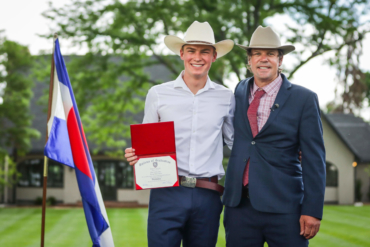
[205, 183]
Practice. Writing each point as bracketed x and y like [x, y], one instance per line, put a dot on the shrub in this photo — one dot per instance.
[358, 193]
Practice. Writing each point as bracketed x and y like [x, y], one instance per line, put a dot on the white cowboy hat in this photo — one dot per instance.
[266, 38]
[199, 34]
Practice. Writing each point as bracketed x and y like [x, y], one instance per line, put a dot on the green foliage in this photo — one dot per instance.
[15, 118]
[15, 95]
[38, 201]
[51, 201]
[124, 37]
[8, 176]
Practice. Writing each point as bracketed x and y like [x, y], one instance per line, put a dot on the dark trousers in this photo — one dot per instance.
[247, 227]
[180, 213]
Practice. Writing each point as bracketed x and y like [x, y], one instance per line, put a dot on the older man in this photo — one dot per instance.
[269, 195]
[202, 111]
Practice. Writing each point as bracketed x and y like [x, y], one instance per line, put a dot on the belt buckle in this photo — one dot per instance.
[188, 182]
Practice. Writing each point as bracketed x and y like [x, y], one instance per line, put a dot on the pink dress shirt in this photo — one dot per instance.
[267, 100]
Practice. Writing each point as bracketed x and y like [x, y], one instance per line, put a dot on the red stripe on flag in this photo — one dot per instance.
[78, 150]
[83, 135]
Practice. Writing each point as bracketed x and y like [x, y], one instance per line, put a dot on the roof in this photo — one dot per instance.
[354, 132]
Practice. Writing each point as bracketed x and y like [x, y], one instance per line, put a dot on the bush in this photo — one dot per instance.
[358, 193]
[38, 201]
[51, 201]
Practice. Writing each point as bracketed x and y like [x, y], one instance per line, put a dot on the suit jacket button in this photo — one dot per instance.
[253, 142]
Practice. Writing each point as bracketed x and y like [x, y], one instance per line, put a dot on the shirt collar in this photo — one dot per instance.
[271, 88]
[179, 82]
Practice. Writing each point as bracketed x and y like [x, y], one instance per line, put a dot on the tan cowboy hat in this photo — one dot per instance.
[266, 38]
[199, 34]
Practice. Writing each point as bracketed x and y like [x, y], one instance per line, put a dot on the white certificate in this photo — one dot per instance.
[156, 172]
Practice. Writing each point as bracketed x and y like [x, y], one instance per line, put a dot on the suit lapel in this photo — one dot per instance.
[282, 96]
[246, 92]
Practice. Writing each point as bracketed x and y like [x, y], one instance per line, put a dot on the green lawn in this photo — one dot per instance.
[345, 226]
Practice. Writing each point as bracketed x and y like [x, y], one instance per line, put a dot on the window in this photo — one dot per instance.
[331, 175]
[32, 173]
[114, 173]
[125, 175]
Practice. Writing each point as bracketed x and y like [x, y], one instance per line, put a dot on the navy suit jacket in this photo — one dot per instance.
[278, 182]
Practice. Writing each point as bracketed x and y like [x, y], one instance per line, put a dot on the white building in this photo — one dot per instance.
[347, 142]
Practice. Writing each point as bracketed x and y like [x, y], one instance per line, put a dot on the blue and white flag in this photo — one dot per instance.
[67, 145]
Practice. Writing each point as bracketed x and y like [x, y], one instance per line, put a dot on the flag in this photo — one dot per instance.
[67, 144]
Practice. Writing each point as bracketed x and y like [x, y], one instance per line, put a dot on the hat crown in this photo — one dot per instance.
[265, 37]
[202, 32]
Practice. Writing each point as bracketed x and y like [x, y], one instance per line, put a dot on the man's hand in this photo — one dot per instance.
[130, 156]
[309, 226]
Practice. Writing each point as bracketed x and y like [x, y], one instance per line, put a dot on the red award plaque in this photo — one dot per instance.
[155, 148]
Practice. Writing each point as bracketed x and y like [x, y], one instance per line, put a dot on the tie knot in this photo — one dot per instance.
[259, 94]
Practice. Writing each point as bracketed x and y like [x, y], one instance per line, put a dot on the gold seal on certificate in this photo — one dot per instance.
[156, 172]
[155, 148]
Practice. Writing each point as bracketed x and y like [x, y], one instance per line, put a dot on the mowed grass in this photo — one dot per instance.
[345, 226]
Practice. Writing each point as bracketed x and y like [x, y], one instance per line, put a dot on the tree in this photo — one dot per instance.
[134, 31]
[15, 95]
[353, 89]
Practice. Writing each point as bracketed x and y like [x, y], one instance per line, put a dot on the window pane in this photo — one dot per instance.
[55, 174]
[331, 175]
[125, 175]
[32, 172]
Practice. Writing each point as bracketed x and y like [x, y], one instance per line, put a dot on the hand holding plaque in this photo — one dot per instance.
[155, 148]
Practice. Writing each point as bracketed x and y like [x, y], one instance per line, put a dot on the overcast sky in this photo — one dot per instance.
[22, 21]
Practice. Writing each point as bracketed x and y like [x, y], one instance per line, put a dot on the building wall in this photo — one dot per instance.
[71, 193]
[338, 154]
[365, 178]
[30, 194]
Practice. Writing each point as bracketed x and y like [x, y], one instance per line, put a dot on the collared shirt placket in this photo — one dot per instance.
[193, 136]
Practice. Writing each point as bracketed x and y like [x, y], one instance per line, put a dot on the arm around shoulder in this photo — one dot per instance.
[228, 126]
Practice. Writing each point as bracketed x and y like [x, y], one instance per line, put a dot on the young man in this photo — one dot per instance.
[203, 113]
[269, 195]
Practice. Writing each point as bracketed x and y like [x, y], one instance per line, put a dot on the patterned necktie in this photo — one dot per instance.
[252, 117]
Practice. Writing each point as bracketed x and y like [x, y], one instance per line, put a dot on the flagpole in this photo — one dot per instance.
[47, 136]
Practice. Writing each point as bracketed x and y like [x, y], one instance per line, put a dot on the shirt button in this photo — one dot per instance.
[253, 142]
[245, 160]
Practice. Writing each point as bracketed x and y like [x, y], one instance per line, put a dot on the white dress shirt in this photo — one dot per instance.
[201, 120]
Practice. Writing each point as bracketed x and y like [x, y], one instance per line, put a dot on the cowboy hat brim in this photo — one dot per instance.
[174, 43]
[285, 48]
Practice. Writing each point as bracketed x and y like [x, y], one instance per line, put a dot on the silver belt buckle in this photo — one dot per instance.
[188, 182]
